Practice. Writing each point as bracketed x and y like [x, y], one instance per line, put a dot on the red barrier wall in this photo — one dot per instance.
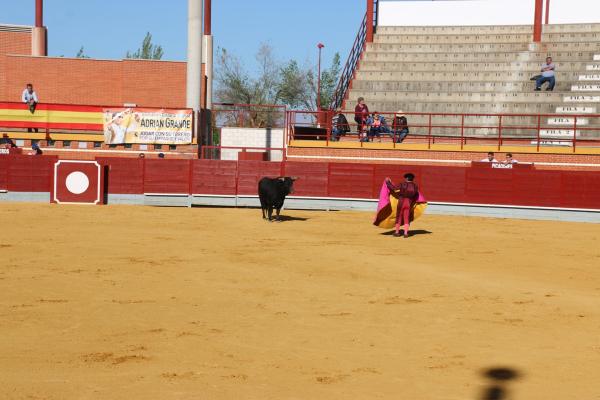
[250, 172]
[123, 175]
[167, 176]
[3, 172]
[30, 173]
[214, 177]
[351, 180]
[312, 178]
[478, 185]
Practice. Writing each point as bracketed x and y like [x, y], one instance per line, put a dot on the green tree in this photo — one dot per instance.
[292, 88]
[235, 86]
[148, 51]
[81, 53]
[274, 83]
[329, 81]
[298, 87]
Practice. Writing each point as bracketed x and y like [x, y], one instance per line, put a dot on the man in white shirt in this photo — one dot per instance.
[490, 158]
[117, 129]
[510, 159]
[547, 76]
[30, 98]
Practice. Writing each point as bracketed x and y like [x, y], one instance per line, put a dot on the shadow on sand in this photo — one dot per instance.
[498, 380]
[288, 218]
[410, 233]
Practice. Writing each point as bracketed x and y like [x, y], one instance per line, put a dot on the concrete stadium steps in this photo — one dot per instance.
[477, 97]
[483, 70]
[454, 87]
[485, 57]
[485, 38]
[485, 29]
[529, 66]
[484, 47]
[488, 76]
[468, 108]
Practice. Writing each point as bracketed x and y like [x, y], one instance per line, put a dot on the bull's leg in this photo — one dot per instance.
[270, 212]
[262, 207]
[277, 211]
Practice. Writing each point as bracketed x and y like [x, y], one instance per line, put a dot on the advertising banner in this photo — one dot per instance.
[139, 125]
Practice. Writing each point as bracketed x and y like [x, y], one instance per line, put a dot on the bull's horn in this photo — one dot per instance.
[294, 178]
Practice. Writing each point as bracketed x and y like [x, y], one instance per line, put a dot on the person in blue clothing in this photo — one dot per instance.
[377, 126]
[547, 76]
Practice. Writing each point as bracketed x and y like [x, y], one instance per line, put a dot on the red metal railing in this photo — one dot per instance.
[462, 129]
[259, 116]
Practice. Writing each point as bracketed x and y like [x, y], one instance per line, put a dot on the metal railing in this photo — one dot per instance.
[365, 33]
[351, 65]
[531, 130]
[375, 15]
[248, 143]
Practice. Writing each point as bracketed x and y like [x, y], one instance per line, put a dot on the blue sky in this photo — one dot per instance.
[108, 28]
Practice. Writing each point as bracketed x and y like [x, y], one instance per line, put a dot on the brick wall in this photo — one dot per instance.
[95, 82]
[154, 83]
[15, 42]
[12, 43]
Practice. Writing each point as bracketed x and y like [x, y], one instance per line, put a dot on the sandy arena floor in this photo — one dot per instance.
[130, 303]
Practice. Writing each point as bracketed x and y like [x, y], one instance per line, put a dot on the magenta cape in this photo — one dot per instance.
[388, 205]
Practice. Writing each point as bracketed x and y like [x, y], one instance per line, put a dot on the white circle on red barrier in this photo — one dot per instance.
[77, 182]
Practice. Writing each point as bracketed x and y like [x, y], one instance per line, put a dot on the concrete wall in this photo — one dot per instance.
[251, 137]
[483, 12]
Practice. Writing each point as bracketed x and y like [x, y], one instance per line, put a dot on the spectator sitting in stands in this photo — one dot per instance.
[510, 159]
[35, 150]
[7, 141]
[547, 76]
[377, 126]
[340, 125]
[490, 158]
[29, 97]
[361, 113]
[399, 127]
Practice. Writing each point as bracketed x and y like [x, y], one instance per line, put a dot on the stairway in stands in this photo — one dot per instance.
[483, 70]
[582, 100]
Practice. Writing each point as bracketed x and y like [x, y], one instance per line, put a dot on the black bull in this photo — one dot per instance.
[272, 192]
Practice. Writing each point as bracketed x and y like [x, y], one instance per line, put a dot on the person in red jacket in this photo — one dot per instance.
[407, 193]
[361, 113]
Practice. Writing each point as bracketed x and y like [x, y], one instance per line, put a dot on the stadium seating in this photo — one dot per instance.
[482, 70]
